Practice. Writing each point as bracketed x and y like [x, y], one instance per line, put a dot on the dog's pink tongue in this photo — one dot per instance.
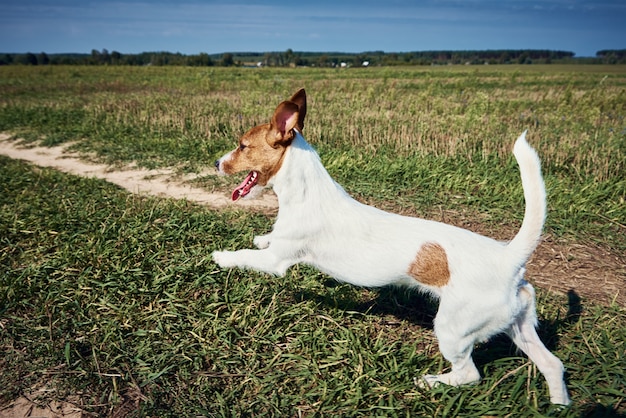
[245, 186]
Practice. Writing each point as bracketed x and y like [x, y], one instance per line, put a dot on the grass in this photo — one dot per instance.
[111, 301]
[114, 297]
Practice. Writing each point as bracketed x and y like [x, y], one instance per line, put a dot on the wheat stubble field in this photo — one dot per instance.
[111, 306]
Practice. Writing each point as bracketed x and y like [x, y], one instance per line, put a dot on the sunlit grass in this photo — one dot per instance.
[114, 298]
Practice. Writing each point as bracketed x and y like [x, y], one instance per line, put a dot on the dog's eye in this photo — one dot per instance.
[242, 147]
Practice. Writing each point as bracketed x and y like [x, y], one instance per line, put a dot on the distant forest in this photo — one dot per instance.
[289, 58]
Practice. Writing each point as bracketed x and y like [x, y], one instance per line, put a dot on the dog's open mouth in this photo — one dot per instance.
[244, 188]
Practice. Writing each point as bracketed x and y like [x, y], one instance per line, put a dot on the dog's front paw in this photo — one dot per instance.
[262, 241]
[224, 259]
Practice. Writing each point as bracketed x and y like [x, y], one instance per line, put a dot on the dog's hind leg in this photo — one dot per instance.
[456, 346]
[524, 334]
[463, 372]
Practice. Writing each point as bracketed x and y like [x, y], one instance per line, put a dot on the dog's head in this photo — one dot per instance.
[261, 150]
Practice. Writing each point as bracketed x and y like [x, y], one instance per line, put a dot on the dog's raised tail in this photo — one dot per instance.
[529, 234]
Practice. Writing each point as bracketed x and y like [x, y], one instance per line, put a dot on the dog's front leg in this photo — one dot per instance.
[263, 260]
[262, 241]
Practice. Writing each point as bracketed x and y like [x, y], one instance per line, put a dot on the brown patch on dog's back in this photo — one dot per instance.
[430, 266]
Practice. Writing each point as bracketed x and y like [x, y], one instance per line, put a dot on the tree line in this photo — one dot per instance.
[315, 59]
[104, 57]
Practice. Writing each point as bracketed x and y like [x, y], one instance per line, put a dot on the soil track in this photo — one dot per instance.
[583, 271]
[161, 182]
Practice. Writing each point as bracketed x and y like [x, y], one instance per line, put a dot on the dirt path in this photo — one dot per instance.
[159, 182]
[590, 271]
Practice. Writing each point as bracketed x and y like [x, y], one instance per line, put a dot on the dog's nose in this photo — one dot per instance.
[217, 164]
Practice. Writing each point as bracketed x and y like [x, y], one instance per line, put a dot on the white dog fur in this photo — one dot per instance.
[479, 281]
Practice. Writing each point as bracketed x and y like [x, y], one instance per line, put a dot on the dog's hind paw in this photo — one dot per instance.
[453, 379]
[426, 382]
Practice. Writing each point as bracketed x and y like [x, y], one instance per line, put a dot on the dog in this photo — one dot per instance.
[479, 281]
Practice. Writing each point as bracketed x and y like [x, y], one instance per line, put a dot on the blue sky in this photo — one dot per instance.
[214, 26]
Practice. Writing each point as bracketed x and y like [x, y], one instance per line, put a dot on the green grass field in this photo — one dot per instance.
[110, 301]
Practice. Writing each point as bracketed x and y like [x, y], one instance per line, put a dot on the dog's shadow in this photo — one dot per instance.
[420, 310]
[411, 306]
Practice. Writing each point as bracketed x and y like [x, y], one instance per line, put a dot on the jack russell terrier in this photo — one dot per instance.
[479, 281]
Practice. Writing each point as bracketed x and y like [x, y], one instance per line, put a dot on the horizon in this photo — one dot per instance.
[294, 51]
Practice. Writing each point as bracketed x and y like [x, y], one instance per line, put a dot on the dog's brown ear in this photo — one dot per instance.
[299, 98]
[284, 120]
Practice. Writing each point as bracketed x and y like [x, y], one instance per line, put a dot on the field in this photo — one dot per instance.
[110, 303]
